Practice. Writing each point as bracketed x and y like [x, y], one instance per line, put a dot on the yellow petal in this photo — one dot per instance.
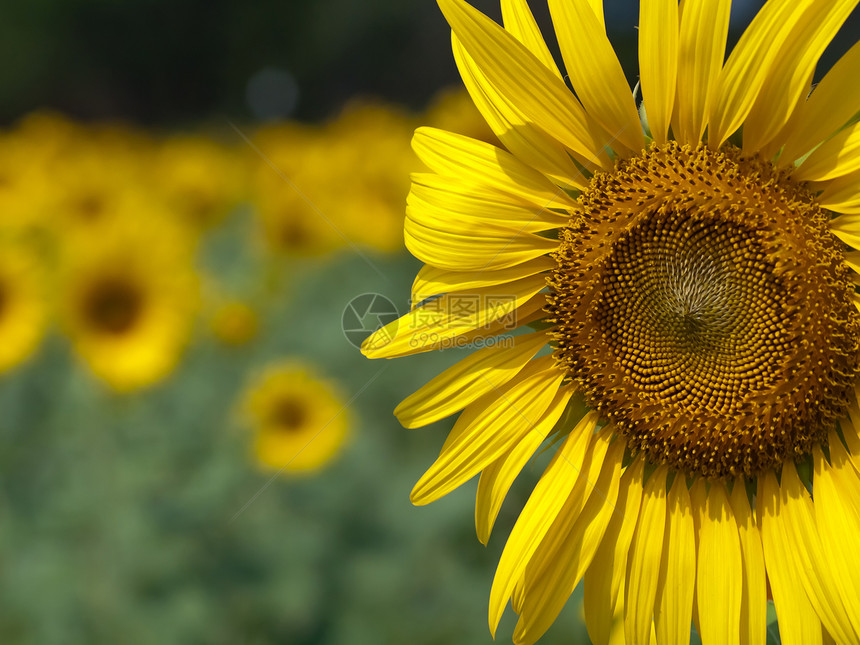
[493, 248]
[438, 322]
[754, 601]
[496, 480]
[789, 75]
[523, 138]
[750, 63]
[541, 509]
[773, 149]
[471, 378]
[570, 544]
[798, 622]
[540, 97]
[838, 156]
[597, 8]
[837, 515]
[805, 550]
[449, 204]
[847, 229]
[674, 602]
[842, 195]
[490, 426]
[473, 161]
[852, 259]
[851, 432]
[719, 570]
[604, 578]
[701, 48]
[658, 62]
[595, 73]
[830, 106]
[518, 595]
[519, 21]
[643, 567]
[432, 281]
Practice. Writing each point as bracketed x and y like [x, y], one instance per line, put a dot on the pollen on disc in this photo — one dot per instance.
[703, 306]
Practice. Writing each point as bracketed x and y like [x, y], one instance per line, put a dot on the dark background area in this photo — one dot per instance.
[172, 63]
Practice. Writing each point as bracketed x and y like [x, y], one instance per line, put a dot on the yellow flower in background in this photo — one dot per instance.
[321, 189]
[89, 190]
[23, 301]
[128, 296]
[201, 180]
[368, 147]
[24, 181]
[290, 192]
[453, 110]
[300, 421]
[696, 294]
[235, 323]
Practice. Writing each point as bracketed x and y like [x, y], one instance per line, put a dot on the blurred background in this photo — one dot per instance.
[200, 217]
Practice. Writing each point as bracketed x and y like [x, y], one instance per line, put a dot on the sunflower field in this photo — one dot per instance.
[202, 216]
[195, 449]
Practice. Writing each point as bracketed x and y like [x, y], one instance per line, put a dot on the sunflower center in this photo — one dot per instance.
[704, 308]
[288, 415]
[90, 206]
[114, 307]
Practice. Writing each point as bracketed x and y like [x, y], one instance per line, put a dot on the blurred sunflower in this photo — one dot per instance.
[199, 179]
[453, 110]
[23, 181]
[697, 295]
[235, 323]
[300, 421]
[128, 298]
[367, 148]
[23, 302]
[291, 192]
[85, 189]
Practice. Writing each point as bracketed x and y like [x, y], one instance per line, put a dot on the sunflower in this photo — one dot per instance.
[83, 189]
[300, 421]
[289, 194]
[128, 298]
[200, 179]
[678, 279]
[23, 302]
[235, 323]
[367, 149]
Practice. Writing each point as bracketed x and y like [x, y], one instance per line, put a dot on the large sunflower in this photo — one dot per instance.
[686, 270]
